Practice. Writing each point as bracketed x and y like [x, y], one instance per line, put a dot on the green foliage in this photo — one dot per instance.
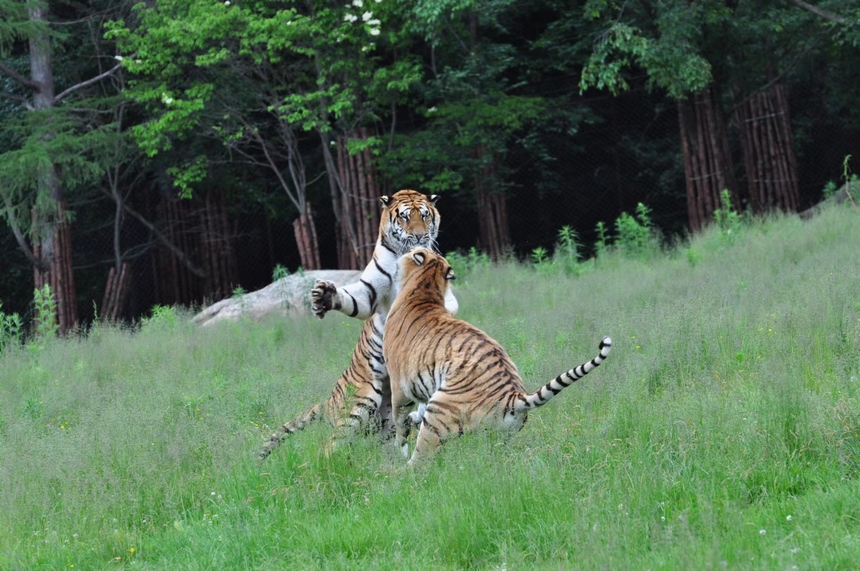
[232, 69]
[161, 317]
[51, 141]
[60, 147]
[850, 183]
[830, 189]
[568, 249]
[280, 272]
[674, 43]
[568, 245]
[635, 236]
[601, 246]
[565, 257]
[45, 309]
[694, 256]
[444, 156]
[10, 329]
[189, 174]
[463, 264]
[667, 59]
[727, 219]
[540, 256]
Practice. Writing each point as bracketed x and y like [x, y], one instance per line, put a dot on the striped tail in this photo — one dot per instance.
[298, 423]
[541, 396]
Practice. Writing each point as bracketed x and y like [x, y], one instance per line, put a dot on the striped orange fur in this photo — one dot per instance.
[464, 376]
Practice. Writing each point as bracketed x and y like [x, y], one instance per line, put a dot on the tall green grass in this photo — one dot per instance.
[722, 432]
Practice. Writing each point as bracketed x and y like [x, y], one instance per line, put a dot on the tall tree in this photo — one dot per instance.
[473, 106]
[666, 41]
[51, 149]
[258, 76]
[705, 54]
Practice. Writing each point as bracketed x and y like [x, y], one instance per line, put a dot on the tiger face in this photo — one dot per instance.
[409, 219]
[424, 266]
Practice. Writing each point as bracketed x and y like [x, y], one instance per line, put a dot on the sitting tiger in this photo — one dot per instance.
[361, 398]
[465, 377]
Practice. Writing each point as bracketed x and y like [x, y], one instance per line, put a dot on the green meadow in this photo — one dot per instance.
[723, 431]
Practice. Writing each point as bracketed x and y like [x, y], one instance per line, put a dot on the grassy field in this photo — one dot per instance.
[722, 432]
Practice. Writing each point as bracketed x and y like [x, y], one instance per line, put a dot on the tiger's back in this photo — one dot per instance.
[466, 377]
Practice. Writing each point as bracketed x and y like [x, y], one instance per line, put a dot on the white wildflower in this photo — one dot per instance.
[117, 58]
[373, 22]
[762, 532]
[227, 3]
[166, 99]
[788, 518]
[357, 3]
[350, 17]
[432, 109]
[367, 16]
[374, 31]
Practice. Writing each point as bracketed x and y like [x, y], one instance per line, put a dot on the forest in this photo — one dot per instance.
[163, 152]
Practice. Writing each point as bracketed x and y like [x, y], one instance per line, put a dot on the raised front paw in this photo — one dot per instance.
[323, 297]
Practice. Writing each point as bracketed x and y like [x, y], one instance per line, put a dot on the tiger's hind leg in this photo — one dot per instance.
[441, 419]
[430, 438]
[364, 404]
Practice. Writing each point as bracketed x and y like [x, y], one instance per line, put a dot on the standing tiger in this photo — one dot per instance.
[361, 398]
[465, 377]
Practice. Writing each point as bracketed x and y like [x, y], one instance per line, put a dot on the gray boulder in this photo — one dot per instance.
[289, 296]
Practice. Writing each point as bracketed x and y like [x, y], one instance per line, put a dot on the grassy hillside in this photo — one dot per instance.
[722, 432]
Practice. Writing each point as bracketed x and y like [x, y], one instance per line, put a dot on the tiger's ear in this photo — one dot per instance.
[450, 275]
[418, 257]
[384, 199]
[433, 198]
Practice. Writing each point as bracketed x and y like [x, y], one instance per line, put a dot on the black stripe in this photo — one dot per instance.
[372, 294]
[384, 243]
[386, 274]
[354, 305]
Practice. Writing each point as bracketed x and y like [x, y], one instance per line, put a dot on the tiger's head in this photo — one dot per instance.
[409, 219]
[424, 272]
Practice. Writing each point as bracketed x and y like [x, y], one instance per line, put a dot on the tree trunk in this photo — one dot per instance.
[50, 227]
[357, 204]
[305, 232]
[768, 145]
[492, 210]
[216, 241]
[176, 282]
[707, 161]
[116, 293]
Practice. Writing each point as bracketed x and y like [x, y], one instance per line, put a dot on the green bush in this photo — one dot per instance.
[10, 329]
